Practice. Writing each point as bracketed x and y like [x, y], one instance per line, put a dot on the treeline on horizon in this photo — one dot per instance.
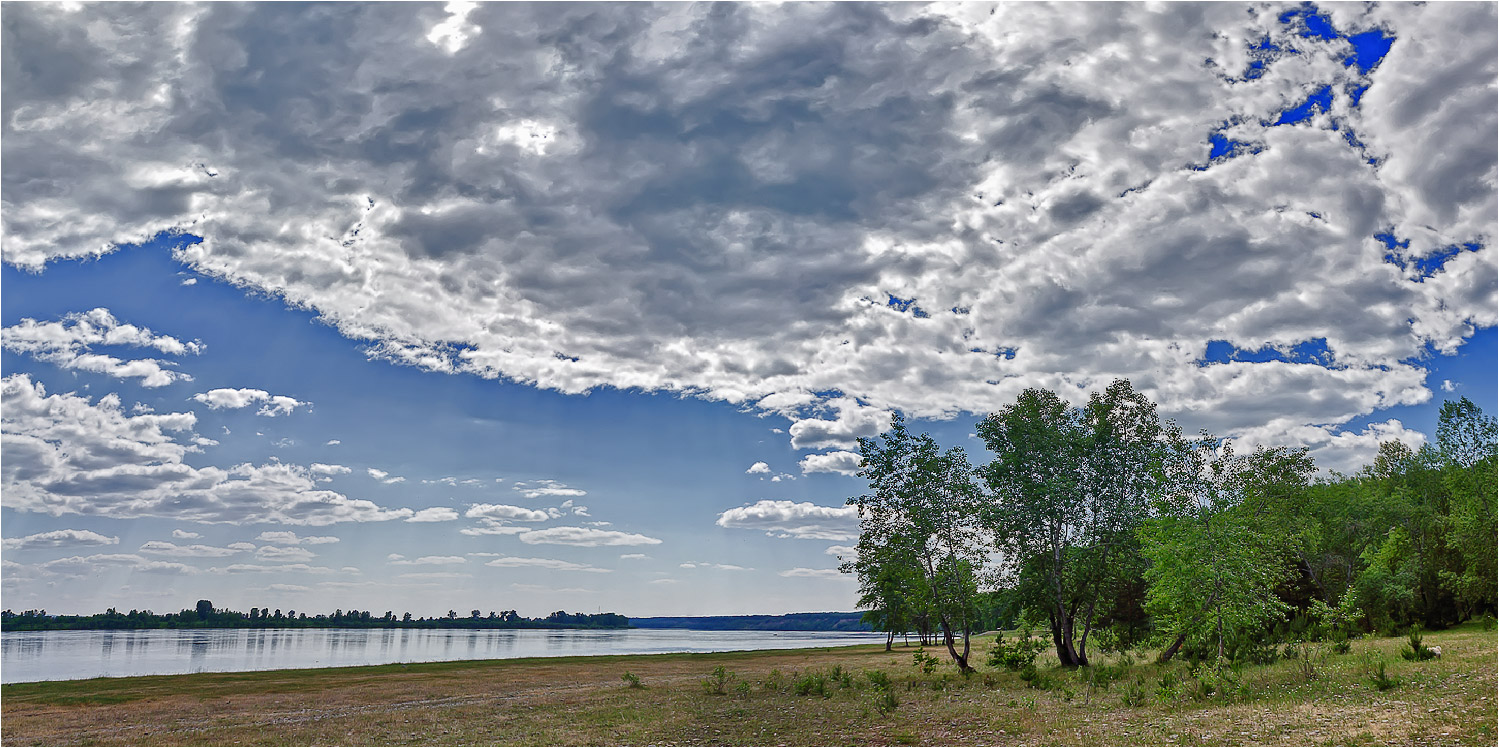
[1102, 526]
[785, 622]
[205, 616]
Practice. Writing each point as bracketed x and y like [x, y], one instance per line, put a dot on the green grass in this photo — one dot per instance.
[805, 697]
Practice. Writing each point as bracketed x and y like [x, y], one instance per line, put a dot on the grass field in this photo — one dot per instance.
[797, 697]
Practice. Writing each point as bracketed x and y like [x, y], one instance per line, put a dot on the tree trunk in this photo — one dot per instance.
[1170, 651]
[890, 640]
[961, 659]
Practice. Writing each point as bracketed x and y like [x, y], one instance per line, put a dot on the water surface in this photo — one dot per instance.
[67, 655]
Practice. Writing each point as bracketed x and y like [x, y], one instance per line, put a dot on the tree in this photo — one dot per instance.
[205, 610]
[1218, 546]
[923, 504]
[1467, 445]
[1068, 488]
[891, 585]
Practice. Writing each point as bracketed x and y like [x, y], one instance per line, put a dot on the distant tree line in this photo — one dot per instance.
[786, 622]
[204, 615]
[1105, 528]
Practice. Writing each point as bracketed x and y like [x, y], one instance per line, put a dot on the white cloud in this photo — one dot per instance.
[842, 551]
[1448, 386]
[333, 442]
[539, 488]
[59, 539]
[583, 536]
[69, 343]
[63, 454]
[759, 467]
[815, 573]
[433, 514]
[544, 563]
[271, 569]
[429, 561]
[492, 529]
[234, 399]
[276, 553]
[846, 463]
[1036, 216]
[719, 567]
[185, 535]
[791, 519]
[287, 588]
[287, 537]
[96, 564]
[1333, 450]
[163, 548]
[434, 575]
[505, 513]
[633, 556]
[326, 469]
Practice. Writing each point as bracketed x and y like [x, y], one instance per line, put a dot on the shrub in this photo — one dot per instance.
[776, 681]
[812, 683]
[1166, 688]
[1416, 650]
[742, 688]
[1034, 678]
[1486, 621]
[1380, 680]
[715, 683]
[886, 702]
[926, 662]
[877, 678]
[1016, 656]
[632, 680]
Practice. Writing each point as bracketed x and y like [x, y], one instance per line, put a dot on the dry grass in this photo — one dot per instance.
[583, 701]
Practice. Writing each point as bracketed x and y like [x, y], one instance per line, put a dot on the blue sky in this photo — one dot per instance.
[418, 307]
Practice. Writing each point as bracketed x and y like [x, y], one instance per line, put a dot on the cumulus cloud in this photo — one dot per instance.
[277, 553]
[287, 537]
[326, 469]
[824, 212]
[185, 535]
[846, 463]
[233, 399]
[429, 561]
[544, 563]
[758, 467]
[815, 573]
[583, 536]
[434, 514]
[539, 488]
[505, 513]
[64, 454]
[164, 548]
[789, 519]
[58, 539]
[69, 344]
[99, 563]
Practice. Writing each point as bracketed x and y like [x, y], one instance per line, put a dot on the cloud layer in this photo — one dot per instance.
[64, 454]
[823, 211]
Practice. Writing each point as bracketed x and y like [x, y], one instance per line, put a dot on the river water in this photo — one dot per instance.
[68, 655]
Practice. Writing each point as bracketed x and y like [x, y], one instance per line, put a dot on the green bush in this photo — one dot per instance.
[776, 681]
[926, 662]
[1415, 650]
[877, 678]
[886, 702]
[1380, 680]
[1486, 621]
[715, 683]
[812, 683]
[1134, 693]
[632, 680]
[1016, 656]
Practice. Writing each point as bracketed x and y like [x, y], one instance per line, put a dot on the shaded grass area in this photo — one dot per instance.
[844, 696]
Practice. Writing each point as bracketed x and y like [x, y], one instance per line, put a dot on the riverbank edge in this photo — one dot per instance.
[20, 691]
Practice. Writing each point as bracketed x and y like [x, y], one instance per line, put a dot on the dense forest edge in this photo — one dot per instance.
[1103, 528]
[205, 616]
[789, 622]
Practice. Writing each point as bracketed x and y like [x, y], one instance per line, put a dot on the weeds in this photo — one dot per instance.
[1134, 693]
[877, 678]
[1015, 657]
[812, 683]
[632, 680]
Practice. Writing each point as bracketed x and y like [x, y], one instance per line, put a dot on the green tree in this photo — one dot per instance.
[1217, 549]
[922, 502]
[1068, 489]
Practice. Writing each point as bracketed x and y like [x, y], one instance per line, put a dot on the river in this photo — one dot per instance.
[67, 655]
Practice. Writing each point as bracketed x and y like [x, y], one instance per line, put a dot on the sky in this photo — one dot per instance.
[583, 307]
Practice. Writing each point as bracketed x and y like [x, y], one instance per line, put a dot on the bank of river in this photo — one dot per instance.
[28, 656]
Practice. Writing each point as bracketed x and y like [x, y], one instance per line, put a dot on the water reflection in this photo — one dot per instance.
[60, 655]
